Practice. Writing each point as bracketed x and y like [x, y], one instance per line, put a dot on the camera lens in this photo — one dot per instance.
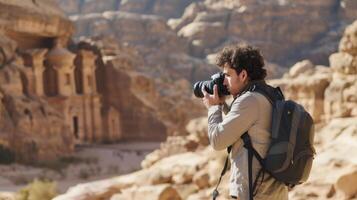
[208, 86]
[197, 89]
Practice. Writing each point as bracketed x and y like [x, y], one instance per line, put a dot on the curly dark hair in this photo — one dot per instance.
[241, 57]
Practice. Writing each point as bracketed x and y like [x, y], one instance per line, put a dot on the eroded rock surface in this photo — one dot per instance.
[30, 128]
[194, 174]
[209, 25]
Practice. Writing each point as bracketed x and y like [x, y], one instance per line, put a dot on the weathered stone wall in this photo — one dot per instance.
[150, 108]
[34, 23]
[100, 92]
[209, 25]
[31, 128]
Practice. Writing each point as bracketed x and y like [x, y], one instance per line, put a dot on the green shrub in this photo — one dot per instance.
[38, 190]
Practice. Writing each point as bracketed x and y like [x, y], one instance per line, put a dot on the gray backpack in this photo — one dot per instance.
[290, 154]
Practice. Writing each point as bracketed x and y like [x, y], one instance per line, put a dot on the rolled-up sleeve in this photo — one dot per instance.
[223, 132]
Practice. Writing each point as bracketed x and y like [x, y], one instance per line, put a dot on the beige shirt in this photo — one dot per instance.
[249, 112]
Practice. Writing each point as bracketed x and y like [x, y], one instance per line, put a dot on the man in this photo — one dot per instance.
[250, 111]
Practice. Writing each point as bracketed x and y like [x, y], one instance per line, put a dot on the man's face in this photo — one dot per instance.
[233, 81]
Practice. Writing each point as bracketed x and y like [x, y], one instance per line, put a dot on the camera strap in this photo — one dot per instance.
[215, 191]
[225, 167]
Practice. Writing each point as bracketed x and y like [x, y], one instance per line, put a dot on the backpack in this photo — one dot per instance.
[291, 152]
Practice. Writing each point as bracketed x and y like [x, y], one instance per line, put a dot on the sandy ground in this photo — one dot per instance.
[94, 162]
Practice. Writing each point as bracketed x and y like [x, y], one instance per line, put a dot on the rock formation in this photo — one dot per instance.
[341, 95]
[209, 25]
[193, 170]
[149, 108]
[97, 90]
[151, 37]
[307, 83]
[326, 92]
[31, 129]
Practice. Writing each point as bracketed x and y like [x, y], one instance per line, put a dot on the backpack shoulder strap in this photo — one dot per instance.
[271, 93]
[251, 153]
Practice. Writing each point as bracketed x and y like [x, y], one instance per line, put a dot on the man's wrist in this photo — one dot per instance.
[214, 109]
[217, 106]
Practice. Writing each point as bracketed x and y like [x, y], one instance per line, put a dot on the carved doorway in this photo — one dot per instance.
[75, 127]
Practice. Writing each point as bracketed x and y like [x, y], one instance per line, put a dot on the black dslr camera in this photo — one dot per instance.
[218, 79]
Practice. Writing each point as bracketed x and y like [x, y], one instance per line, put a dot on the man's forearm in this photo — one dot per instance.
[214, 118]
[224, 132]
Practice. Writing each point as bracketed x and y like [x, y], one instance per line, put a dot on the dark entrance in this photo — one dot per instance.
[75, 127]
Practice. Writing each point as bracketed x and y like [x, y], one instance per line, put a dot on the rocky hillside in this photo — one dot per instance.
[151, 101]
[30, 128]
[186, 168]
[287, 31]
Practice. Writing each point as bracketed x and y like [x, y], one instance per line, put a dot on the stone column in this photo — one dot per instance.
[97, 118]
[88, 71]
[88, 119]
[38, 56]
[92, 118]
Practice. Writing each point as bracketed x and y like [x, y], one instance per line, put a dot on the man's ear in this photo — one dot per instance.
[244, 75]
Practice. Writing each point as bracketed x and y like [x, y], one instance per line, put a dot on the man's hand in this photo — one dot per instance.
[210, 100]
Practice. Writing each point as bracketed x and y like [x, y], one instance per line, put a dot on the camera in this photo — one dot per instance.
[217, 79]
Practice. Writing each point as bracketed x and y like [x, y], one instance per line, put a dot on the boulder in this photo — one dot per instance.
[201, 179]
[197, 128]
[347, 184]
[204, 34]
[301, 67]
[348, 42]
[105, 188]
[186, 190]
[343, 63]
[157, 192]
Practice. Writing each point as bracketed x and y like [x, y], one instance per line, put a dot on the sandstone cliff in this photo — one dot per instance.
[153, 102]
[30, 128]
[287, 31]
[185, 168]
[97, 90]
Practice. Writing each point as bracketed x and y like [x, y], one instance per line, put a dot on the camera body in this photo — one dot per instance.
[217, 79]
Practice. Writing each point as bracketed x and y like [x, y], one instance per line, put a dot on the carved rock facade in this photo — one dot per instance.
[49, 94]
